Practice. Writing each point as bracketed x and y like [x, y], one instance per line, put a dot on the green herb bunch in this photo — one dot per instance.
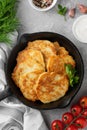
[8, 20]
[72, 74]
[62, 10]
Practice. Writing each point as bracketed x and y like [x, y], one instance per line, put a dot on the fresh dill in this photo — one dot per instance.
[8, 20]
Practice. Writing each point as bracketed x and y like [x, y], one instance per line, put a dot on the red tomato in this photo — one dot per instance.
[57, 125]
[83, 101]
[81, 122]
[76, 109]
[67, 117]
[85, 113]
[72, 127]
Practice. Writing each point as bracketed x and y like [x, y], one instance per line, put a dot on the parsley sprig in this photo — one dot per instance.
[62, 10]
[72, 74]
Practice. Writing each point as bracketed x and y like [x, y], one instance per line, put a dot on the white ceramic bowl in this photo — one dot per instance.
[42, 9]
[79, 28]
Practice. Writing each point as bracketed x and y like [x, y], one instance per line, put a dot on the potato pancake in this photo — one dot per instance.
[27, 85]
[56, 64]
[46, 47]
[34, 54]
[51, 86]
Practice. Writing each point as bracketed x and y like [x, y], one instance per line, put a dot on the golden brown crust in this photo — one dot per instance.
[56, 45]
[56, 64]
[51, 86]
[67, 59]
[46, 47]
[34, 54]
[62, 51]
[27, 85]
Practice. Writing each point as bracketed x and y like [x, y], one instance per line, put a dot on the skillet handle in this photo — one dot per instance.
[5, 93]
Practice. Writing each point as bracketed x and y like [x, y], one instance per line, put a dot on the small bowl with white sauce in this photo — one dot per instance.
[80, 28]
[42, 5]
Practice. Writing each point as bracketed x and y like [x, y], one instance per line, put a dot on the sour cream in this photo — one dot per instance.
[80, 28]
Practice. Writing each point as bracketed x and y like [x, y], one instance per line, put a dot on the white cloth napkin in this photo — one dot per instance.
[13, 114]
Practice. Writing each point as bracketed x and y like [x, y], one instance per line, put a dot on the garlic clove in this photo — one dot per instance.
[72, 12]
[82, 8]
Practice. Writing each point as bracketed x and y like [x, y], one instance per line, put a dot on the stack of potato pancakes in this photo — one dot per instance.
[40, 71]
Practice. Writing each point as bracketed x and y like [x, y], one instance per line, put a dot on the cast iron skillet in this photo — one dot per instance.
[11, 62]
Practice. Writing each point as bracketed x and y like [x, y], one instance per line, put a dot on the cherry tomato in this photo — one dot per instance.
[57, 125]
[85, 113]
[76, 110]
[67, 117]
[83, 101]
[81, 122]
[72, 127]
